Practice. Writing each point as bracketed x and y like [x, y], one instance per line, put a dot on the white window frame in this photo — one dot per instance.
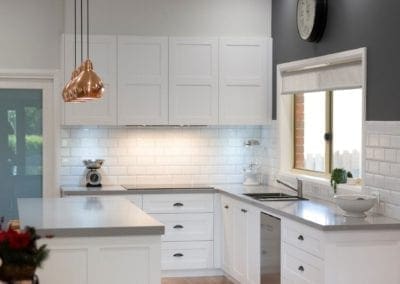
[48, 82]
[285, 105]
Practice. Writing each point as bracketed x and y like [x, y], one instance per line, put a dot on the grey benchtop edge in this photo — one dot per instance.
[101, 232]
[124, 191]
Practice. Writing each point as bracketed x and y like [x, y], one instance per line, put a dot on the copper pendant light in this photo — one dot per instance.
[85, 84]
[88, 85]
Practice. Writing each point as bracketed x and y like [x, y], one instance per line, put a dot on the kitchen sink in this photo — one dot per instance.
[274, 196]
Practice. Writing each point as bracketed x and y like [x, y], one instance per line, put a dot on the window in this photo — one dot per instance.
[328, 131]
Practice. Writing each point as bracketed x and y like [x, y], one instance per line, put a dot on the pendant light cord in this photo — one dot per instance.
[75, 35]
[87, 27]
[82, 31]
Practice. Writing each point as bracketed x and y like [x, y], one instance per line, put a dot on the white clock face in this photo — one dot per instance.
[306, 17]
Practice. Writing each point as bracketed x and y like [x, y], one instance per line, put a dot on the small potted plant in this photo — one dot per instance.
[352, 180]
[19, 255]
[338, 176]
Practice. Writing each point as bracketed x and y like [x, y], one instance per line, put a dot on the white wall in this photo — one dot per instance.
[30, 33]
[30, 29]
[177, 17]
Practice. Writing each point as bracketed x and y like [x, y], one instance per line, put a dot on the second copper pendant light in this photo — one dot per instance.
[85, 84]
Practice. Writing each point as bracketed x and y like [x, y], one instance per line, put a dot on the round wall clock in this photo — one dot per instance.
[311, 19]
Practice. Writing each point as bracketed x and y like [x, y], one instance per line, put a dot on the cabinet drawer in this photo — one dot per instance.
[186, 255]
[303, 237]
[302, 266]
[178, 203]
[187, 227]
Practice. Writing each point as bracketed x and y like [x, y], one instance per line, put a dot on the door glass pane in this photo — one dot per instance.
[347, 127]
[21, 147]
[310, 127]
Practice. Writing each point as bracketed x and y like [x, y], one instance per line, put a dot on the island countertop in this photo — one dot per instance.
[86, 216]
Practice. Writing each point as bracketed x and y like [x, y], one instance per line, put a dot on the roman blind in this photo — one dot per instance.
[345, 75]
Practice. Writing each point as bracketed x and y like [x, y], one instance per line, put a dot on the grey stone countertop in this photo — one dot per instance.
[86, 216]
[319, 214]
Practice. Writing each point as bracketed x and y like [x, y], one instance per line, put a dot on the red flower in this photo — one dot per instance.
[3, 236]
[18, 240]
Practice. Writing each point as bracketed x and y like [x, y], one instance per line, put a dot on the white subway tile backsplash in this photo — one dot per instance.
[373, 140]
[379, 154]
[390, 155]
[395, 142]
[383, 137]
[384, 141]
[159, 154]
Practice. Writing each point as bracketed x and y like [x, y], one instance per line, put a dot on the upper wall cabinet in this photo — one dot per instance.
[245, 81]
[104, 56]
[193, 81]
[142, 80]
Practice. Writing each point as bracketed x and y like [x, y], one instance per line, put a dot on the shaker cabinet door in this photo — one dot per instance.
[245, 81]
[193, 81]
[142, 80]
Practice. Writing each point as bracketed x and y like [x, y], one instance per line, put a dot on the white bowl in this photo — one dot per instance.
[355, 205]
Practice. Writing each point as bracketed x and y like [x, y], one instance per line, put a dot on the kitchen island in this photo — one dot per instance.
[95, 240]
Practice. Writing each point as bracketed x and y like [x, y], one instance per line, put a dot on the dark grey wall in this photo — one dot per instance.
[351, 24]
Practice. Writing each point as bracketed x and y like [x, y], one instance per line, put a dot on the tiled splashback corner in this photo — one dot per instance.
[159, 155]
[382, 164]
[270, 161]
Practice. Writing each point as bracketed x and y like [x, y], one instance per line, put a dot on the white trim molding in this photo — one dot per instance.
[285, 103]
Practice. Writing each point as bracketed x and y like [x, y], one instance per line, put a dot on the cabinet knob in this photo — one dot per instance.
[301, 268]
[178, 255]
[300, 238]
[226, 207]
[244, 210]
[178, 227]
[178, 204]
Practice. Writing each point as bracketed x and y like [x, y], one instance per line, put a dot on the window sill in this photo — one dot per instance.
[341, 188]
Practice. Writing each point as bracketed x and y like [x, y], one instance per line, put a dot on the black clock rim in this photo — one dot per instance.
[321, 12]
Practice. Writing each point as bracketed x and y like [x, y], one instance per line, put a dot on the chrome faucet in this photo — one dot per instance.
[299, 188]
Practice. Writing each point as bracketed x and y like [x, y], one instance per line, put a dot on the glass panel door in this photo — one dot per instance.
[21, 147]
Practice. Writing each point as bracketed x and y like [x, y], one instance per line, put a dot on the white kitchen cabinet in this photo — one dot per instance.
[142, 80]
[103, 54]
[193, 81]
[188, 242]
[347, 257]
[245, 81]
[186, 227]
[241, 241]
[187, 255]
[102, 260]
[178, 203]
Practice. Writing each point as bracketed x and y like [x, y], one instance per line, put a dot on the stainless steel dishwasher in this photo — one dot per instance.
[270, 249]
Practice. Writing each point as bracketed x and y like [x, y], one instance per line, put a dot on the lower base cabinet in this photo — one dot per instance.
[187, 255]
[102, 260]
[311, 256]
[241, 241]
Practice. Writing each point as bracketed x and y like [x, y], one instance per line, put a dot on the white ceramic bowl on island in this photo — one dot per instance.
[355, 205]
